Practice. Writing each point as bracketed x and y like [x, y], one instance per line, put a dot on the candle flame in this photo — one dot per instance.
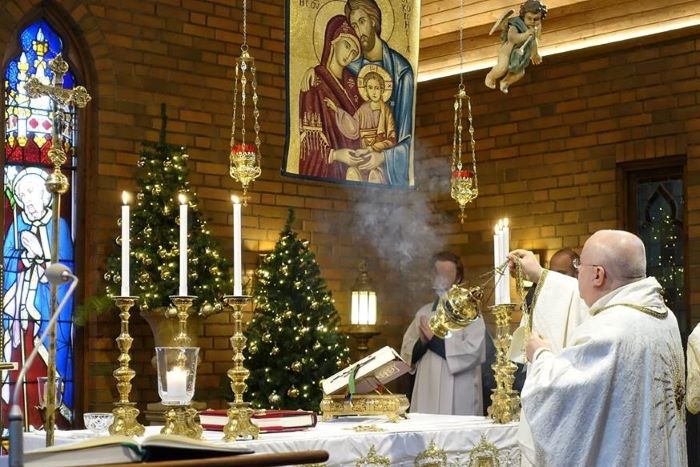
[182, 198]
[235, 200]
[125, 197]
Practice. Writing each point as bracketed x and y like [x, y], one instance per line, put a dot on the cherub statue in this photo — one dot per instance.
[519, 37]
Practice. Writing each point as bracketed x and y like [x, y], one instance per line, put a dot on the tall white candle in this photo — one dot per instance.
[183, 244]
[496, 262]
[125, 244]
[506, 250]
[237, 269]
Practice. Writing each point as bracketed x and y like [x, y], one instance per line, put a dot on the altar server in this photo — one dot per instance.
[447, 371]
[610, 389]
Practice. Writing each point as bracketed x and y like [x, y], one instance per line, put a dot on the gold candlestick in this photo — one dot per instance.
[505, 402]
[182, 303]
[239, 413]
[125, 412]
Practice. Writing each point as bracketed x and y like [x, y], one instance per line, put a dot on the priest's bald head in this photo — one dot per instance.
[610, 259]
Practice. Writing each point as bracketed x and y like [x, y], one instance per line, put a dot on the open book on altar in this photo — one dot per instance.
[365, 375]
[122, 449]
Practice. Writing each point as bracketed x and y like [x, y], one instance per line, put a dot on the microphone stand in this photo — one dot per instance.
[56, 274]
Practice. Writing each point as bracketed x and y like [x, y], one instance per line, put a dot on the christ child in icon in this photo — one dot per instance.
[373, 123]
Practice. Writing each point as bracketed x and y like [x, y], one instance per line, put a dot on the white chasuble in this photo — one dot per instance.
[614, 394]
[693, 386]
[450, 385]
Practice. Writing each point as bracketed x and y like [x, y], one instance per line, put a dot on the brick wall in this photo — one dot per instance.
[547, 158]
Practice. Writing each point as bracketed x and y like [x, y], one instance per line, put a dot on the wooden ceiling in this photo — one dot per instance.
[570, 25]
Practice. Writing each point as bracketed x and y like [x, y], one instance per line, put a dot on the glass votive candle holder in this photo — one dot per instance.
[98, 422]
[43, 386]
[177, 370]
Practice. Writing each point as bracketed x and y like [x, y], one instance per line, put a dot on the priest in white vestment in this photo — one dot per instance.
[447, 371]
[607, 389]
[692, 395]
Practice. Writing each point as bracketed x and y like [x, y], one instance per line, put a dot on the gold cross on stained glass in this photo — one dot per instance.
[61, 97]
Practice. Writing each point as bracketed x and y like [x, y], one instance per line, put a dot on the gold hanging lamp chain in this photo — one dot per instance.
[461, 45]
[244, 47]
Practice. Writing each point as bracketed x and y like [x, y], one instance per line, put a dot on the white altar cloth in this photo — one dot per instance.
[399, 444]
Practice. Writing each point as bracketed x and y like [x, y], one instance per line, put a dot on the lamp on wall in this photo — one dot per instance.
[363, 310]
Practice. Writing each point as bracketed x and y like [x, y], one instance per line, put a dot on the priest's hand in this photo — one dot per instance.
[531, 267]
[425, 332]
[535, 343]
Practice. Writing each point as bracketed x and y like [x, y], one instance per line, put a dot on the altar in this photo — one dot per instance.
[436, 440]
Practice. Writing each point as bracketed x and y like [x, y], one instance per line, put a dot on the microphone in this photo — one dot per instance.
[56, 274]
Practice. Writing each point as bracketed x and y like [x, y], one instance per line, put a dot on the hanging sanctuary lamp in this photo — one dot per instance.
[464, 182]
[244, 160]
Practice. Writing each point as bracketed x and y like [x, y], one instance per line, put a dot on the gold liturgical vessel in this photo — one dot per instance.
[464, 183]
[239, 425]
[457, 310]
[244, 159]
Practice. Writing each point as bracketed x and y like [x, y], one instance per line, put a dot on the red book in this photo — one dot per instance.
[269, 421]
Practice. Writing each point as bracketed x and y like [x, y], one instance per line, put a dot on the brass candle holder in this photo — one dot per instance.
[182, 420]
[239, 425]
[505, 402]
[183, 304]
[125, 412]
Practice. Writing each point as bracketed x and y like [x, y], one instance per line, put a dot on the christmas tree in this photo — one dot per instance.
[293, 338]
[162, 176]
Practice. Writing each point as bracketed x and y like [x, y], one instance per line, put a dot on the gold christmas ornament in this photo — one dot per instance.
[275, 350]
[296, 366]
[267, 337]
[274, 399]
[293, 392]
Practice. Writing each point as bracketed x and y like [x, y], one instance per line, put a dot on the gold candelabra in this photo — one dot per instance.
[239, 425]
[505, 402]
[182, 420]
[57, 184]
[245, 158]
[125, 412]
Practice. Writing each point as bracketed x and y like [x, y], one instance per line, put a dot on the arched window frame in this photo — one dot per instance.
[76, 54]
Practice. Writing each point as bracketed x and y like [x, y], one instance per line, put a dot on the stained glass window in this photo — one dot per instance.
[660, 225]
[28, 221]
